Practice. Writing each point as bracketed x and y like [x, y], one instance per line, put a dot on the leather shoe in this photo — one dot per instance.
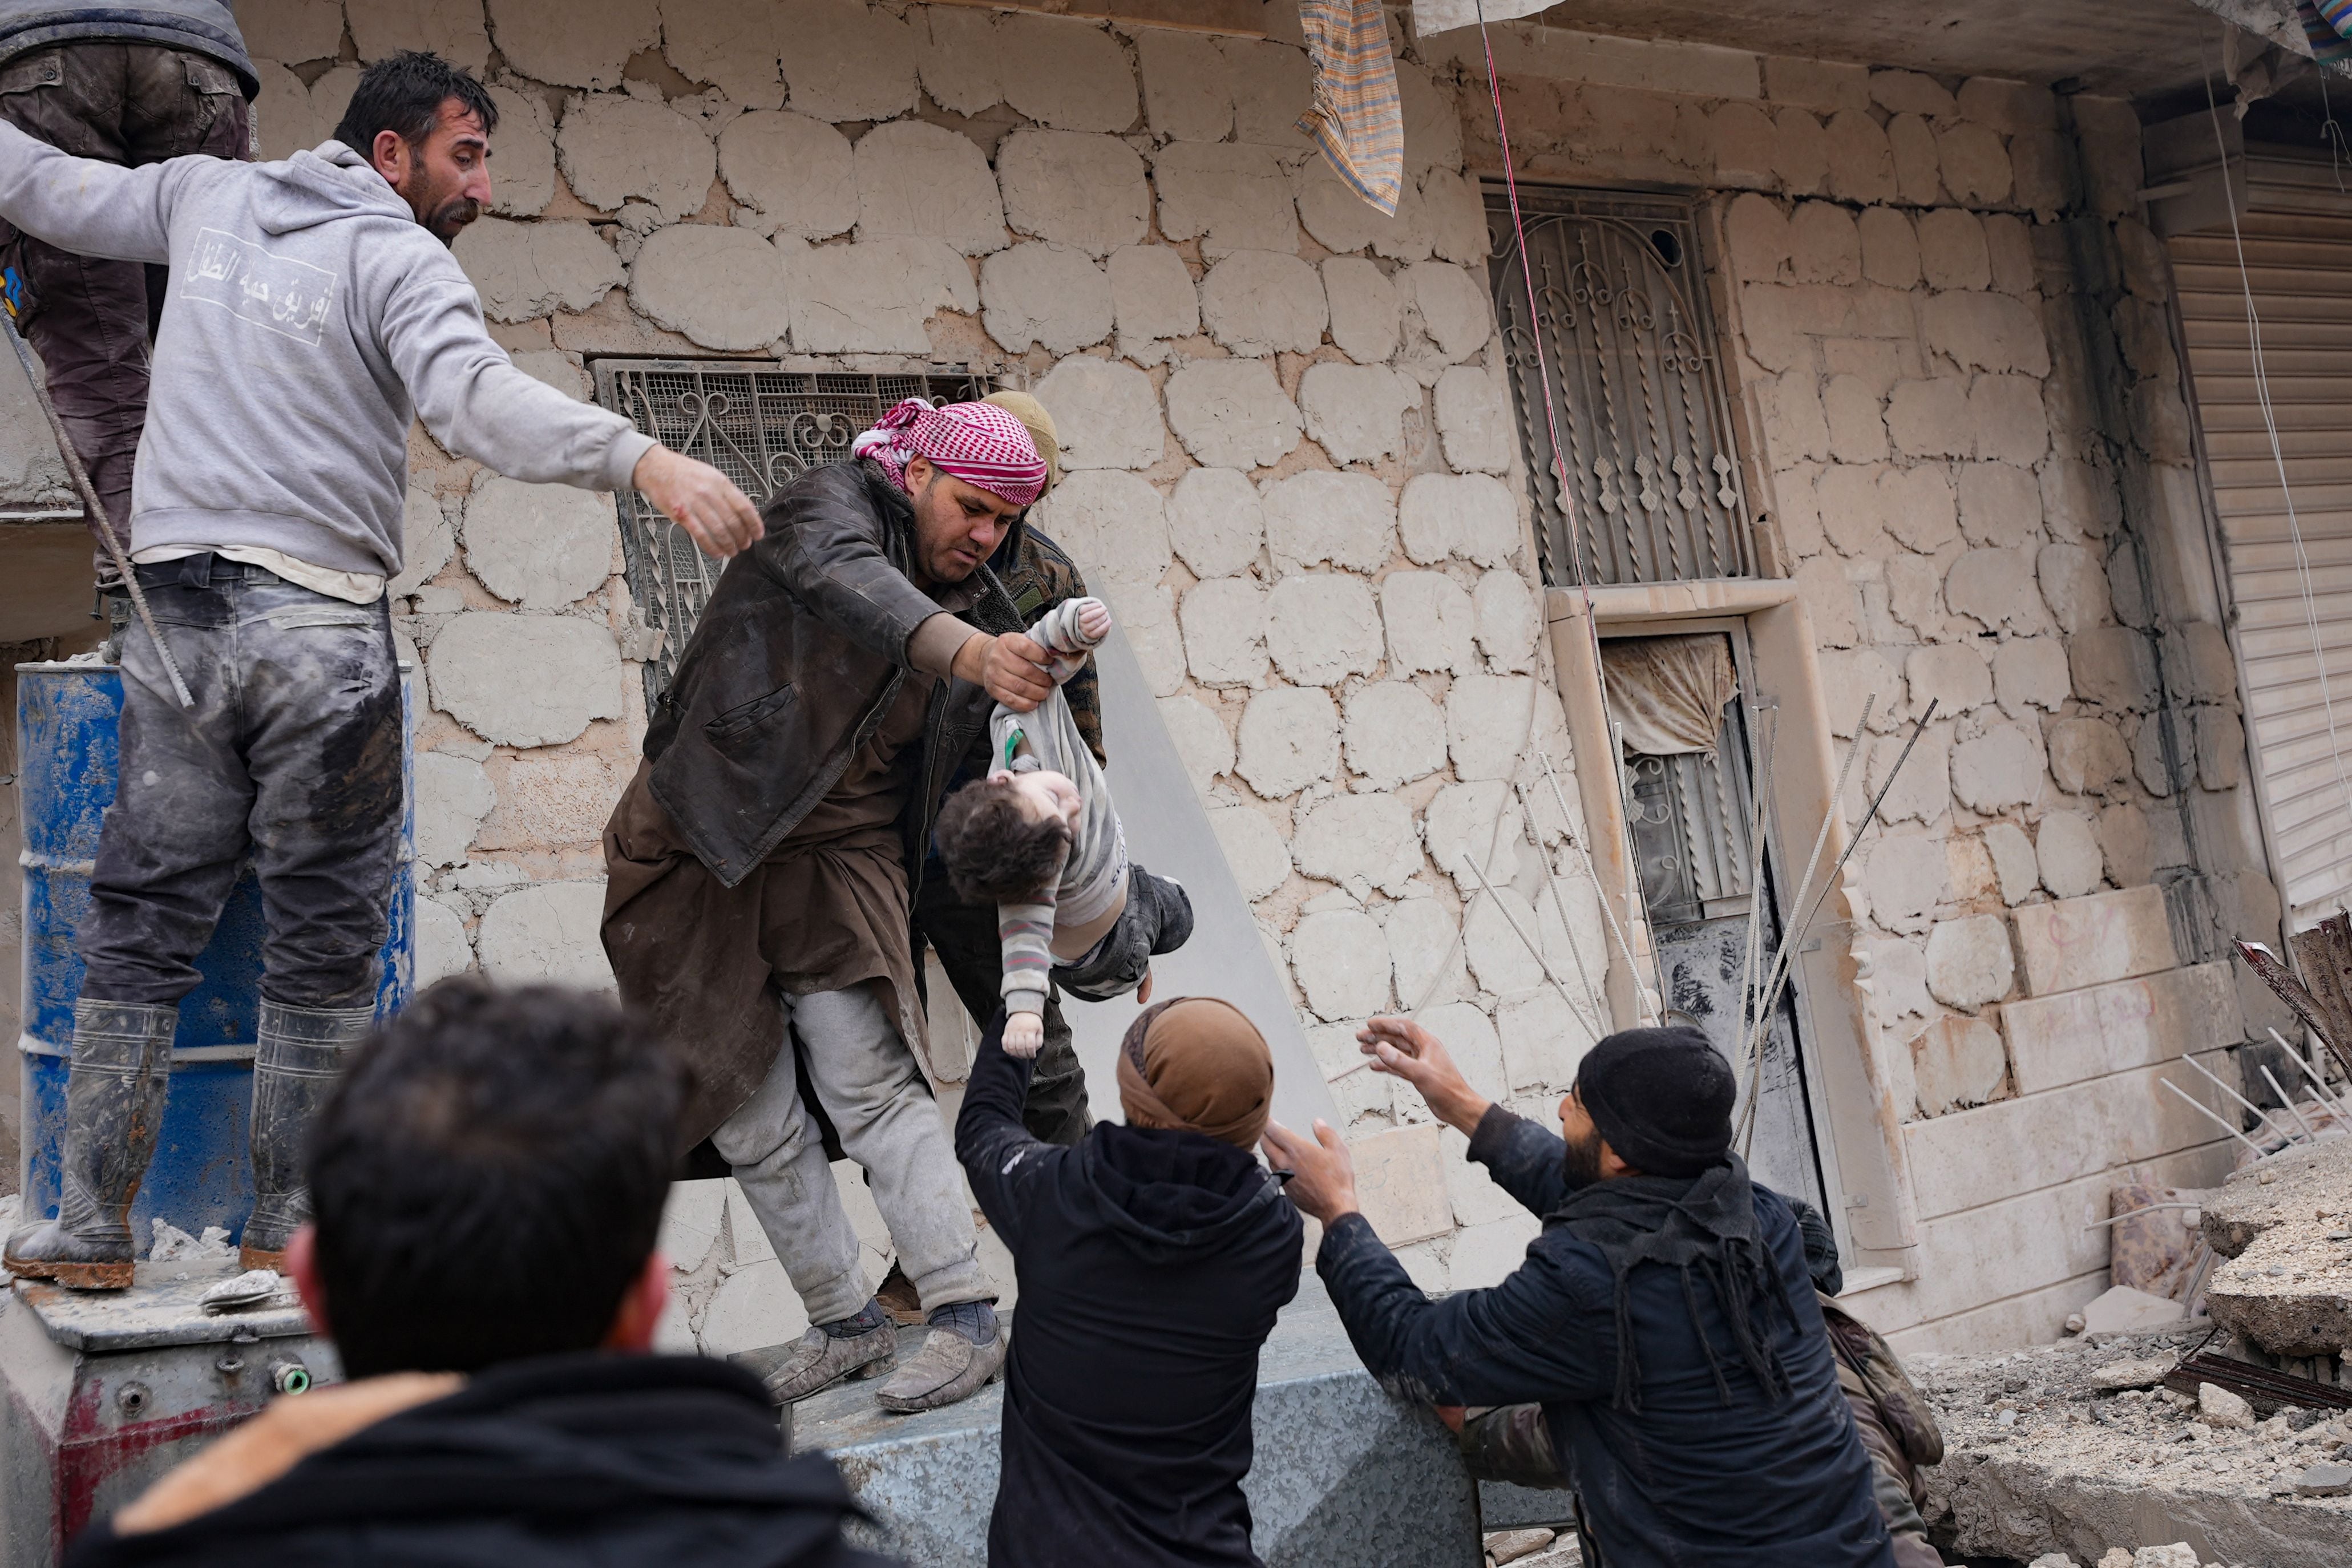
[818, 1360]
[948, 1367]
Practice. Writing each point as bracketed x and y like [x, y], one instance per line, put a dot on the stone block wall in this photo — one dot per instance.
[1971, 459]
[1288, 472]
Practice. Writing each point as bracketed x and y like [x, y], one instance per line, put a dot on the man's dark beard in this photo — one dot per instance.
[451, 216]
[1582, 1158]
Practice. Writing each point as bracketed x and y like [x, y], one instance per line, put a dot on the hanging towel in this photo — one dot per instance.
[1357, 117]
[1443, 16]
[1668, 693]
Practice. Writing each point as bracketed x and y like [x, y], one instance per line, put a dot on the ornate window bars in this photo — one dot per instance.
[761, 425]
[1636, 384]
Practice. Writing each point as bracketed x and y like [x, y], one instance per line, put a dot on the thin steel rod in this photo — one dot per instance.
[2260, 1115]
[2327, 1096]
[1820, 840]
[1534, 952]
[1624, 948]
[2146, 1208]
[2288, 1100]
[1753, 953]
[100, 523]
[1794, 941]
[1793, 938]
[2213, 1116]
[1559, 906]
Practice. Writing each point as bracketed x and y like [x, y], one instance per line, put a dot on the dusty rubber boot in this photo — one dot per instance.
[116, 1085]
[301, 1055]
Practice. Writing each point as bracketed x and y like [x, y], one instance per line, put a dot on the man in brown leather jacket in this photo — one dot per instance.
[759, 869]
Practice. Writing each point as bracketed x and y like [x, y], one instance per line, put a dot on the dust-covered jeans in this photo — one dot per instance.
[875, 1093]
[292, 752]
[91, 317]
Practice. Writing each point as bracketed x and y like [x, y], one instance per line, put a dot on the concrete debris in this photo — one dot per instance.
[2325, 1480]
[2044, 1465]
[1510, 1545]
[2221, 1408]
[2124, 1311]
[174, 1244]
[2285, 1226]
[2118, 1375]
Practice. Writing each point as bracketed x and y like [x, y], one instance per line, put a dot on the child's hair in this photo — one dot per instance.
[995, 852]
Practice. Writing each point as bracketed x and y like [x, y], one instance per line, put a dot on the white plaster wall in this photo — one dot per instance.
[1900, 303]
[1246, 364]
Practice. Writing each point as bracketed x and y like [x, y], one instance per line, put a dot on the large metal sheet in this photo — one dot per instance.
[1167, 833]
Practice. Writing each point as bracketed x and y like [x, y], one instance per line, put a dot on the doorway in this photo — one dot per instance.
[1682, 709]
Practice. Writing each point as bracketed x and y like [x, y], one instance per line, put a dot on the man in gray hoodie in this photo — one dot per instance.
[316, 310]
[127, 84]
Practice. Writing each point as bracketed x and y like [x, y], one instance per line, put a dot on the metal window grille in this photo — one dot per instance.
[1637, 383]
[760, 424]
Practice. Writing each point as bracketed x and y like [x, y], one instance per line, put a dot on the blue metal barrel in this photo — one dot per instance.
[67, 730]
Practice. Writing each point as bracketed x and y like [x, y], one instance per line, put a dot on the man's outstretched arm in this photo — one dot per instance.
[1531, 1338]
[90, 207]
[1000, 1155]
[477, 405]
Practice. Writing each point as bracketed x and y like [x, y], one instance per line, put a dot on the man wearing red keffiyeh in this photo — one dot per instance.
[759, 869]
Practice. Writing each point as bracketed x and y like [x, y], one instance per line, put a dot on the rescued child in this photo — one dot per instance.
[1040, 839]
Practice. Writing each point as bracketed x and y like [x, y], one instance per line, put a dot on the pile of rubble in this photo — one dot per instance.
[2077, 1453]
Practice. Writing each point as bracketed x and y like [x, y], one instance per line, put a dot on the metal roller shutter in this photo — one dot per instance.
[2300, 270]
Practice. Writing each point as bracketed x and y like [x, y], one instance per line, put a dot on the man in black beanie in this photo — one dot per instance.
[1664, 1319]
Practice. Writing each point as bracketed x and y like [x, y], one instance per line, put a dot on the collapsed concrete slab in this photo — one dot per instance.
[2285, 1227]
[2062, 1448]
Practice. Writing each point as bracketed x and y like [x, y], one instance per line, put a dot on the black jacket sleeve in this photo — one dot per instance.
[1002, 1158]
[825, 546]
[1529, 1340]
[1524, 1160]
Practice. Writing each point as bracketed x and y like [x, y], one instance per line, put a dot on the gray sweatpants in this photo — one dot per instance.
[875, 1095]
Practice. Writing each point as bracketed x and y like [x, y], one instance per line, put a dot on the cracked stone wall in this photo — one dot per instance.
[1281, 416]
[1973, 453]
[1292, 474]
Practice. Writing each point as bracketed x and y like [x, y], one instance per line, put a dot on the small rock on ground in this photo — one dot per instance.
[2325, 1480]
[1510, 1545]
[2223, 1408]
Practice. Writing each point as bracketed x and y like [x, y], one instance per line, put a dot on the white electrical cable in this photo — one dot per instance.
[2278, 454]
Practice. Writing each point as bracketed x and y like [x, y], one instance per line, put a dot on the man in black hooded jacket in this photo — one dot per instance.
[1152, 1257]
[487, 1182]
[1664, 1318]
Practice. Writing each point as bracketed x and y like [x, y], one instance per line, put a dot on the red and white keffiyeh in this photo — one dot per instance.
[978, 443]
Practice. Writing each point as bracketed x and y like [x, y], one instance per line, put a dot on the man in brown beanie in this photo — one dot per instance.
[1664, 1319]
[1152, 1257]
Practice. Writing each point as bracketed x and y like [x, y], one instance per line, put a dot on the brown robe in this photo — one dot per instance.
[826, 909]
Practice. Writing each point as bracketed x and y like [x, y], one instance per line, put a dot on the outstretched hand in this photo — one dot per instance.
[1403, 1048]
[1323, 1178]
[719, 518]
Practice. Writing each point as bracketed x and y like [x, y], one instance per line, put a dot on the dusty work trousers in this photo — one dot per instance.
[291, 753]
[132, 104]
[871, 1089]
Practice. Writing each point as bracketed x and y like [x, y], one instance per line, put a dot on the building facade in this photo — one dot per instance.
[1872, 390]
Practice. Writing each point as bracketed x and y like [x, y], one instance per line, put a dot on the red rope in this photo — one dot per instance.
[1535, 328]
